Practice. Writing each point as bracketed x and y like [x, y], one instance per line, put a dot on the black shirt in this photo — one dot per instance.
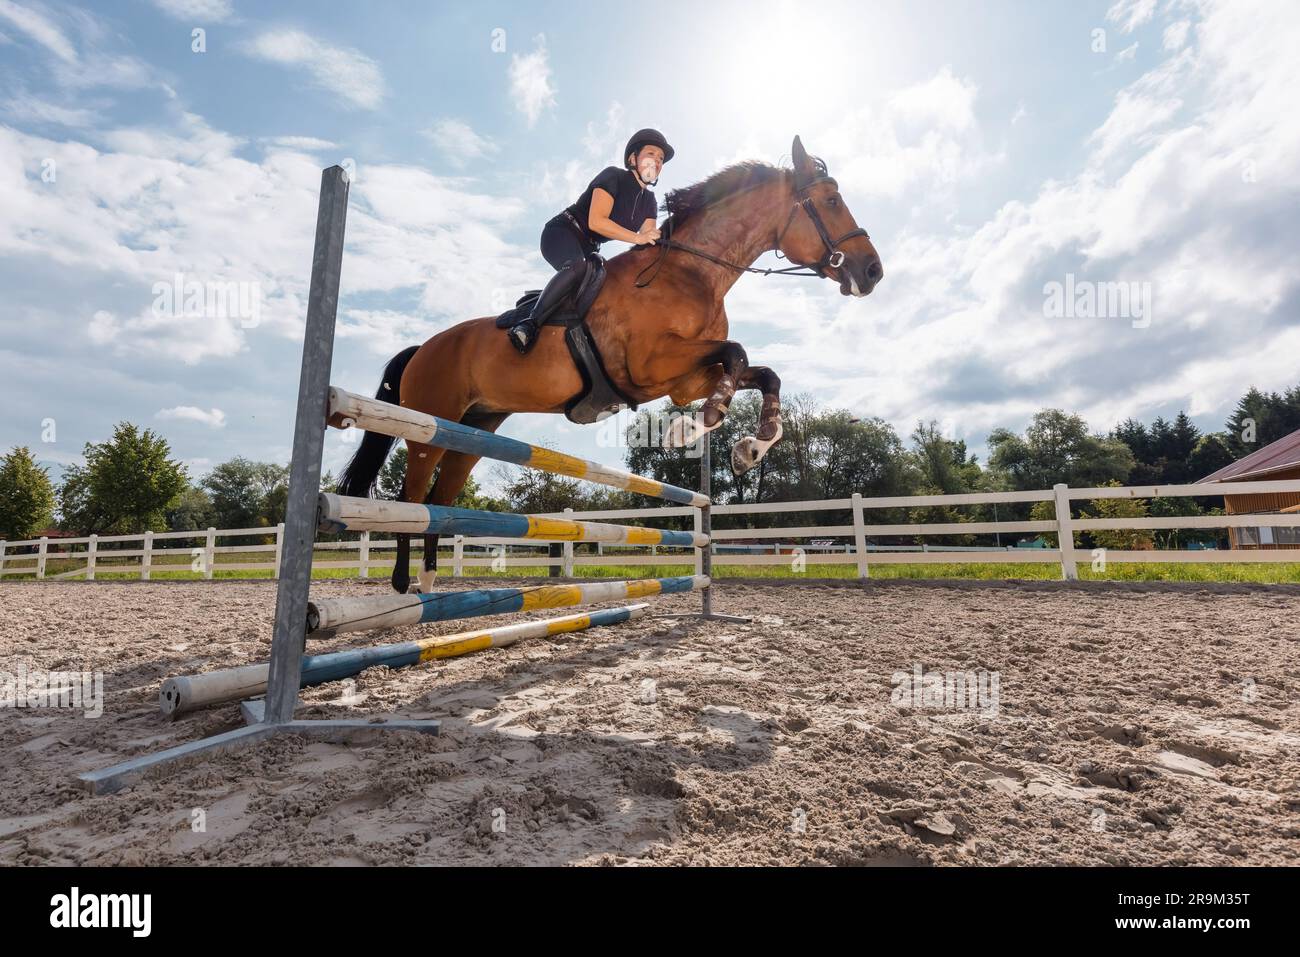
[633, 205]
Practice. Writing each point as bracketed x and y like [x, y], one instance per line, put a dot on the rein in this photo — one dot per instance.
[832, 257]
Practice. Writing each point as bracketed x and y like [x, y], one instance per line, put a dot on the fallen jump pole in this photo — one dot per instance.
[347, 409]
[330, 616]
[187, 693]
[343, 513]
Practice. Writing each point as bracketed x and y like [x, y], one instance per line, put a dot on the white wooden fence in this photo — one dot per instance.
[503, 553]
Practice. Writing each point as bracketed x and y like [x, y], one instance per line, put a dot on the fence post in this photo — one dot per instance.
[568, 550]
[3, 543]
[146, 560]
[860, 536]
[1065, 531]
[458, 556]
[91, 548]
[209, 552]
[40, 557]
[365, 553]
[279, 549]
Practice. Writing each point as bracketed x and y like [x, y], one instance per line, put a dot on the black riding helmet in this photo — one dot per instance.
[646, 138]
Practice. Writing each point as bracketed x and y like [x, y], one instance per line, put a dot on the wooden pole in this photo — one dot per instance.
[329, 616]
[348, 409]
[342, 513]
[189, 692]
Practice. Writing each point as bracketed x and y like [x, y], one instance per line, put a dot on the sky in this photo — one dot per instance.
[1018, 165]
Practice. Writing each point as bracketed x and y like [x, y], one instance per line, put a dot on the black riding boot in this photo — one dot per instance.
[524, 332]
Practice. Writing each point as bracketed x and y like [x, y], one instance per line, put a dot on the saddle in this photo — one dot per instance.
[599, 397]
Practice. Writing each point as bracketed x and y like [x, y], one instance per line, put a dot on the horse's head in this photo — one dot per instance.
[821, 232]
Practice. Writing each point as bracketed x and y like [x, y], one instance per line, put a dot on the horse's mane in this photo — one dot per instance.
[682, 203]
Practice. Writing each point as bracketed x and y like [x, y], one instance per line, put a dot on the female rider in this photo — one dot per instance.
[616, 205]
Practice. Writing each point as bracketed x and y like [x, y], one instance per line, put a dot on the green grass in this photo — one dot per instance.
[177, 568]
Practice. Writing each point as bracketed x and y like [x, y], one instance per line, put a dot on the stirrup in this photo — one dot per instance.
[523, 334]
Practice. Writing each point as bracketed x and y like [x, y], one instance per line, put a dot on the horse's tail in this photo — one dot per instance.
[362, 471]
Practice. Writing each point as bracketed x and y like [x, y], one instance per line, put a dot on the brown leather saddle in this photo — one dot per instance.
[599, 397]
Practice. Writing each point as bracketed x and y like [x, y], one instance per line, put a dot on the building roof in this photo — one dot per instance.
[1274, 457]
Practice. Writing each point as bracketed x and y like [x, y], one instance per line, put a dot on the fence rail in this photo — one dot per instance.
[857, 549]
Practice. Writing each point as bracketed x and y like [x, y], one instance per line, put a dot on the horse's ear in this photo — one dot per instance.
[799, 155]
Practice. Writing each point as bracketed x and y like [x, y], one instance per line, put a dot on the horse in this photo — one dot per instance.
[665, 335]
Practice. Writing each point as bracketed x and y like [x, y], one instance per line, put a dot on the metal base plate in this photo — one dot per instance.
[707, 616]
[110, 779]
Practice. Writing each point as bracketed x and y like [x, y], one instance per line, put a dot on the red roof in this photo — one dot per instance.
[1274, 457]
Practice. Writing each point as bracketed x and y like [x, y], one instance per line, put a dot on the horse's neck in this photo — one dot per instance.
[738, 230]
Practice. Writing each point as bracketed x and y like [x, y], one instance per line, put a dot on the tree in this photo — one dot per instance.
[1212, 452]
[942, 463]
[1261, 418]
[1056, 448]
[125, 486]
[247, 494]
[1120, 539]
[26, 496]
[191, 511]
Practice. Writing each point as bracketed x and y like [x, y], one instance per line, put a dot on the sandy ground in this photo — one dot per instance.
[1145, 724]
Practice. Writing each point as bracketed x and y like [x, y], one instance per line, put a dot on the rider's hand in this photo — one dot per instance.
[647, 236]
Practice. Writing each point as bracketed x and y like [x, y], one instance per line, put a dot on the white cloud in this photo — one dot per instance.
[346, 73]
[601, 142]
[213, 417]
[308, 144]
[187, 340]
[31, 21]
[30, 109]
[924, 134]
[530, 81]
[958, 323]
[1127, 54]
[204, 11]
[150, 203]
[1175, 35]
[71, 68]
[458, 142]
[605, 139]
[1131, 14]
[1147, 104]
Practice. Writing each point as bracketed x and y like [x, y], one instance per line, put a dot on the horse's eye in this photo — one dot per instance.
[832, 202]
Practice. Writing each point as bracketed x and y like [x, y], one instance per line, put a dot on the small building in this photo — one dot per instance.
[1274, 462]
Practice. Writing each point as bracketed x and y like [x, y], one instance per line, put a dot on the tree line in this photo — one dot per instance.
[130, 483]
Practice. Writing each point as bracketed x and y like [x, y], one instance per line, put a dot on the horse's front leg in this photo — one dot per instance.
[747, 452]
[708, 368]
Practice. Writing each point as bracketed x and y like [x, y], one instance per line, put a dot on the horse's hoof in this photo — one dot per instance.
[683, 432]
[745, 455]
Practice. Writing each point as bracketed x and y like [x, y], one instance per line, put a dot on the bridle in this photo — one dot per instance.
[832, 255]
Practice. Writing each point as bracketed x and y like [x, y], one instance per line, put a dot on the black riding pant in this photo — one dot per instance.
[562, 243]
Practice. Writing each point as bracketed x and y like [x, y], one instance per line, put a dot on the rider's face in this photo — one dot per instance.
[649, 162]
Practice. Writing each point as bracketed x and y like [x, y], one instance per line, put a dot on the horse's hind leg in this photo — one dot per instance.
[453, 472]
[421, 460]
[747, 452]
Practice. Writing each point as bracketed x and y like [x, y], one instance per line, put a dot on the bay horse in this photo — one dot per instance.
[665, 335]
